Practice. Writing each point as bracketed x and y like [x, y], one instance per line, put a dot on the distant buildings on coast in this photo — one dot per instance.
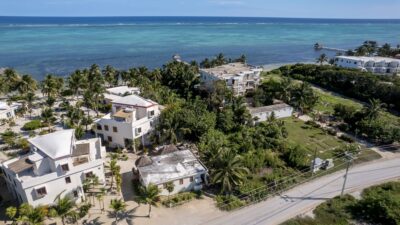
[377, 65]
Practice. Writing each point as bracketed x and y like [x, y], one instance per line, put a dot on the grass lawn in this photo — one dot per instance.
[311, 138]
[327, 102]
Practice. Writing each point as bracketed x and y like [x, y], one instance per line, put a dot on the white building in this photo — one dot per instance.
[261, 114]
[56, 164]
[132, 117]
[8, 111]
[378, 65]
[239, 77]
[180, 167]
[115, 93]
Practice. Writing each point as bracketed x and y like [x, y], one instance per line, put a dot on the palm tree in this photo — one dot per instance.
[48, 117]
[374, 108]
[31, 216]
[109, 74]
[26, 84]
[118, 206]
[115, 169]
[170, 186]
[30, 98]
[322, 59]
[220, 59]
[229, 170]
[100, 198]
[11, 212]
[63, 207]
[76, 82]
[149, 195]
[11, 80]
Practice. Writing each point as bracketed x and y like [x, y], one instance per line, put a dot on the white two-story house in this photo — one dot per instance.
[56, 164]
[132, 117]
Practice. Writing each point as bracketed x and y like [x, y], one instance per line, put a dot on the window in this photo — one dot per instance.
[181, 181]
[8, 114]
[151, 113]
[41, 191]
[68, 180]
[106, 127]
[138, 130]
[65, 167]
[115, 129]
[75, 194]
[109, 139]
[165, 186]
[89, 174]
[99, 127]
[191, 179]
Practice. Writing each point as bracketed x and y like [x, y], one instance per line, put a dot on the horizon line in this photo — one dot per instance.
[255, 17]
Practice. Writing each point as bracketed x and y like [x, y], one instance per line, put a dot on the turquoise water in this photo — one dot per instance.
[60, 45]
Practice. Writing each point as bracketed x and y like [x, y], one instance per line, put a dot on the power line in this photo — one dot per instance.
[267, 187]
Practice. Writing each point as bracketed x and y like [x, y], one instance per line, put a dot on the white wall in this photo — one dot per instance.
[279, 114]
[186, 186]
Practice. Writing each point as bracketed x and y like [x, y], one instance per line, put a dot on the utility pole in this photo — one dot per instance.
[349, 159]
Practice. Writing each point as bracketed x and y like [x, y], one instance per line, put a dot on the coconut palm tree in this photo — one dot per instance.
[76, 82]
[100, 198]
[109, 74]
[29, 215]
[114, 169]
[11, 212]
[374, 108]
[229, 170]
[48, 118]
[11, 80]
[63, 207]
[30, 98]
[26, 84]
[170, 186]
[118, 206]
[322, 59]
[149, 195]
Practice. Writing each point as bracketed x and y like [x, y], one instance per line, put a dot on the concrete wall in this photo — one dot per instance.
[186, 186]
[279, 114]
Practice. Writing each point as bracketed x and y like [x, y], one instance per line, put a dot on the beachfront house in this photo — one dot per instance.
[132, 117]
[56, 164]
[280, 111]
[8, 111]
[239, 77]
[115, 93]
[377, 65]
[173, 164]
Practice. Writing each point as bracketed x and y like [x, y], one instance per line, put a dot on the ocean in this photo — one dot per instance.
[43, 45]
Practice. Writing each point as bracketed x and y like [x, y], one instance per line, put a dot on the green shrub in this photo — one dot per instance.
[32, 125]
[180, 199]
[229, 202]
[347, 138]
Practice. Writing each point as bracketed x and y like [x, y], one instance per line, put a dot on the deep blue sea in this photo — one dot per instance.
[42, 45]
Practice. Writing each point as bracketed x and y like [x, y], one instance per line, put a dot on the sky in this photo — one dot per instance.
[369, 9]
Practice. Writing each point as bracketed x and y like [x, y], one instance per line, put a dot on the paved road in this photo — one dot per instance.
[305, 197]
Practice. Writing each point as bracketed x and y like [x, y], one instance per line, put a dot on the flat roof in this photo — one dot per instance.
[367, 58]
[134, 100]
[172, 166]
[20, 165]
[269, 108]
[230, 69]
[121, 90]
